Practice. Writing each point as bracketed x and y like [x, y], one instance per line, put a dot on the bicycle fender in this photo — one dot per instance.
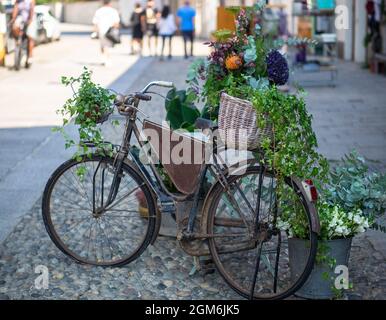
[315, 221]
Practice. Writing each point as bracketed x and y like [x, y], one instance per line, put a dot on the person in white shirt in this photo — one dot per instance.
[167, 28]
[105, 18]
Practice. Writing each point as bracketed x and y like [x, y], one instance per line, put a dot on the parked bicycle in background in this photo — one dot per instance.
[23, 26]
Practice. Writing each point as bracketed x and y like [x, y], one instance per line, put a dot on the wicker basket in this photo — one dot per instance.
[237, 124]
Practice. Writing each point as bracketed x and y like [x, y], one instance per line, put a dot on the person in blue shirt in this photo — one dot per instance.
[186, 15]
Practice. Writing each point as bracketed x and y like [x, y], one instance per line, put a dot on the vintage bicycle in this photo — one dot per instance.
[96, 219]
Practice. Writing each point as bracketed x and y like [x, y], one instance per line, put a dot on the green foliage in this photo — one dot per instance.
[180, 110]
[208, 79]
[222, 34]
[292, 149]
[352, 186]
[352, 198]
[88, 104]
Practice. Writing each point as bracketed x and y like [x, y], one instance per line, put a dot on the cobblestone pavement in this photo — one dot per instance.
[162, 272]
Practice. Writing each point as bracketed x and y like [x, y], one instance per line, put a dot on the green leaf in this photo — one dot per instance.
[174, 114]
[189, 114]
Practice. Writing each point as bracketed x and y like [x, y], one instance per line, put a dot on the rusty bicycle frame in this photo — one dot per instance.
[186, 234]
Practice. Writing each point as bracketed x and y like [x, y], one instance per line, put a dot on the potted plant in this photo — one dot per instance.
[89, 106]
[351, 202]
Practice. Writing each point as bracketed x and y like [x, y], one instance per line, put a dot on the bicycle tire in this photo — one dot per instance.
[53, 234]
[214, 198]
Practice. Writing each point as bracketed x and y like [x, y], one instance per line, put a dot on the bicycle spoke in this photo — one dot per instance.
[256, 271]
[277, 264]
[82, 186]
[77, 224]
[124, 197]
[77, 191]
[102, 242]
[119, 247]
[109, 243]
[75, 204]
[89, 237]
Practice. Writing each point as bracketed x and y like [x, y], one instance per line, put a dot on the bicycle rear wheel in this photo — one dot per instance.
[248, 246]
[83, 227]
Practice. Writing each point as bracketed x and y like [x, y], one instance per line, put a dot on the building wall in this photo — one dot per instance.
[82, 12]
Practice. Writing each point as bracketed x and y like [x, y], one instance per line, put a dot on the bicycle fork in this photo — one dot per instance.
[117, 170]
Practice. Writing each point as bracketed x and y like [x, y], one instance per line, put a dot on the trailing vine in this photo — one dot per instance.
[90, 105]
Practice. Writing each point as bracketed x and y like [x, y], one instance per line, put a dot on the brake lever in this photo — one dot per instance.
[158, 94]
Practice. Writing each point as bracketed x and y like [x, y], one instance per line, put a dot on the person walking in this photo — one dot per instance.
[167, 28]
[152, 16]
[186, 16]
[23, 14]
[104, 19]
[138, 22]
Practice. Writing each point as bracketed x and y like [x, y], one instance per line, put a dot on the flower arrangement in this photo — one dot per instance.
[247, 64]
[351, 201]
[335, 223]
[244, 58]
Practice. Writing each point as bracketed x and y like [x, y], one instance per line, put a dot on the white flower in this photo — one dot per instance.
[358, 219]
[339, 230]
[360, 229]
[346, 231]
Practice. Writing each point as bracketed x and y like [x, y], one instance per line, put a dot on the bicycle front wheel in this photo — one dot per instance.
[84, 227]
[249, 245]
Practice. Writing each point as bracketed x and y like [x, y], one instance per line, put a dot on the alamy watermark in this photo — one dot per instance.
[342, 18]
[42, 280]
[342, 280]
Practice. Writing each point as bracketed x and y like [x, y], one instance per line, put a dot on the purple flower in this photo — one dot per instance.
[277, 67]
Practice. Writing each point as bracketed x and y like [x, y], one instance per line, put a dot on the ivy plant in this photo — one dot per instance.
[88, 105]
[292, 149]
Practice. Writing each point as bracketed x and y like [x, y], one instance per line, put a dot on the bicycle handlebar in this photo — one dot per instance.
[164, 84]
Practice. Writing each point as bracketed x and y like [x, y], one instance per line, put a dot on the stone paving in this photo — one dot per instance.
[163, 270]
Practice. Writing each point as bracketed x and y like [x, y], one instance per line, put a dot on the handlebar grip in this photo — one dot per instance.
[165, 84]
[142, 96]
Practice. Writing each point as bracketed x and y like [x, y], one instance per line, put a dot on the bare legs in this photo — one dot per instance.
[137, 46]
[164, 37]
[105, 56]
[31, 44]
[152, 49]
